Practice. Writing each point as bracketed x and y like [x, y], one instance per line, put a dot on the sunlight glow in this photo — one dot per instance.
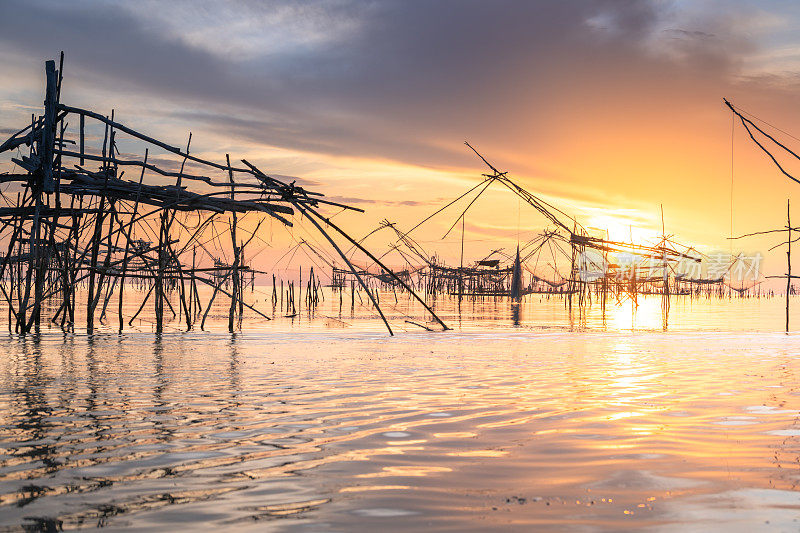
[620, 229]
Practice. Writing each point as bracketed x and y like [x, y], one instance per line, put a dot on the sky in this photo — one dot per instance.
[611, 110]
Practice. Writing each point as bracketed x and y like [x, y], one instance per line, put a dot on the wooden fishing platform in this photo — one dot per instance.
[73, 217]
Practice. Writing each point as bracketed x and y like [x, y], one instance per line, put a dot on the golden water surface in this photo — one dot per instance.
[325, 423]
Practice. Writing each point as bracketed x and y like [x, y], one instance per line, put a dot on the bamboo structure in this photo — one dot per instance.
[73, 219]
[591, 271]
[766, 139]
[589, 268]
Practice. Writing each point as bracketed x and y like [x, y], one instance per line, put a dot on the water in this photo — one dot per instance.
[325, 423]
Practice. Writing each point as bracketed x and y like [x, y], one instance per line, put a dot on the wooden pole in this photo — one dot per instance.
[788, 262]
[48, 134]
[461, 261]
[235, 284]
[82, 138]
[128, 242]
[307, 210]
[159, 282]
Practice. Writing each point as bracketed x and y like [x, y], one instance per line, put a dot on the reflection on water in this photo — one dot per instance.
[340, 429]
[536, 311]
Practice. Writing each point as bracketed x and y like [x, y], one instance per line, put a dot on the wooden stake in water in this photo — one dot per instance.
[235, 285]
[788, 262]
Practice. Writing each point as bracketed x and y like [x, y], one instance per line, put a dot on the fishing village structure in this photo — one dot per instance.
[746, 120]
[72, 218]
[563, 260]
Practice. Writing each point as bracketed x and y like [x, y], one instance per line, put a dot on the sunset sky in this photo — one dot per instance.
[608, 109]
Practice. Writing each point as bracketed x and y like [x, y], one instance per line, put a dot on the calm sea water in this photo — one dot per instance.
[516, 420]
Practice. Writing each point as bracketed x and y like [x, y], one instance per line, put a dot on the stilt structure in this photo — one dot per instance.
[71, 218]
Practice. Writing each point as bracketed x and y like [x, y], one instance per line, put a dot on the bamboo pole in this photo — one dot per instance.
[235, 289]
[128, 241]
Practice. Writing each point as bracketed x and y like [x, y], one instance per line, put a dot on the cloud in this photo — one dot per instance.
[613, 103]
[393, 79]
[350, 200]
[677, 33]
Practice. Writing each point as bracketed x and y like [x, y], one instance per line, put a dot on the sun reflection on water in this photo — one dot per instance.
[339, 429]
